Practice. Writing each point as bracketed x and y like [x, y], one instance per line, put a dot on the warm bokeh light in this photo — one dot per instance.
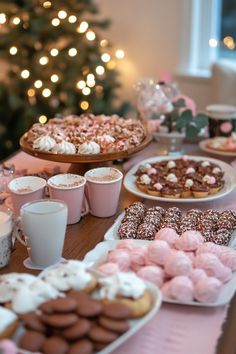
[25, 74]
[229, 42]
[43, 60]
[3, 18]
[54, 52]
[43, 119]
[56, 22]
[86, 91]
[16, 21]
[13, 50]
[72, 19]
[106, 57]
[38, 83]
[111, 65]
[213, 42]
[104, 43]
[82, 27]
[100, 70]
[81, 84]
[120, 54]
[31, 92]
[54, 78]
[84, 105]
[47, 4]
[62, 14]
[46, 92]
[90, 35]
[72, 52]
[91, 80]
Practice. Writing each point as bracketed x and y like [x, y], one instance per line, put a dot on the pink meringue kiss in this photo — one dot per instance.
[137, 258]
[191, 255]
[197, 274]
[167, 234]
[120, 257]
[209, 247]
[228, 258]
[109, 268]
[177, 263]
[166, 290]
[127, 244]
[213, 266]
[207, 289]
[181, 288]
[189, 241]
[158, 251]
[153, 274]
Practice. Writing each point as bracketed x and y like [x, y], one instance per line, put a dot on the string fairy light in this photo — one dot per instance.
[72, 19]
[13, 50]
[46, 92]
[54, 52]
[72, 52]
[16, 21]
[100, 70]
[43, 60]
[38, 83]
[83, 27]
[25, 74]
[54, 78]
[62, 14]
[104, 43]
[81, 84]
[3, 18]
[84, 105]
[120, 54]
[55, 22]
[106, 57]
[47, 4]
[90, 35]
[42, 119]
[31, 92]
[86, 91]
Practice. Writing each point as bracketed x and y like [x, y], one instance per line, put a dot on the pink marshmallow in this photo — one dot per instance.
[153, 274]
[209, 247]
[158, 251]
[109, 268]
[177, 263]
[197, 274]
[137, 258]
[228, 258]
[189, 241]
[207, 289]
[181, 288]
[120, 257]
[167, 234]
[213, 266]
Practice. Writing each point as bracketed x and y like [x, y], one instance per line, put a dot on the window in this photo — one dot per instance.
[227, 47]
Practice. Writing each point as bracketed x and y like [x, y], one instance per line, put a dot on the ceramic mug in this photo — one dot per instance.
[222, 119]
[70, 189]
[44, 226]
[6, 228]
[103, 190]
[25, 189]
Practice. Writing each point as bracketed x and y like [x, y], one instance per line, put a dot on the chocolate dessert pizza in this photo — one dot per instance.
[86, 135]
[180, 178]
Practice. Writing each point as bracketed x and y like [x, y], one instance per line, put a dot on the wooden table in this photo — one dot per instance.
[82, 237]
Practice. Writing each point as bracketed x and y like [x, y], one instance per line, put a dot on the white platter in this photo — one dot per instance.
[112, 233]
[135, 325]
[229, 177]
[98, 256]
[204, 147]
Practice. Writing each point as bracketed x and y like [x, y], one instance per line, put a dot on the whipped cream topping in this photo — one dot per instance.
[7, 318]
[145, 179]
[89, 148]
[122, 284]
[70, 275]
[107, 138]
[44, 143]
[28, 298]
[171, 164]
[209, 179]
[145, 167]
[205, 164]
[64, 148]
[188, 183]
[171, 177]
[10, 283]
[158, 186]
[190, 170]
[216, 170]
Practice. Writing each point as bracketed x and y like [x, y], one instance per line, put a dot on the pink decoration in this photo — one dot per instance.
[8, 347]
[228, 258]
[158, 186]
[209, 247]
[152, 171]
[226, 127]
[165, 76]
[197, 274]
[167, 234]
[126, 244]
[153, 274]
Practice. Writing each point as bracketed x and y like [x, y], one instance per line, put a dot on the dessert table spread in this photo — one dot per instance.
[176, 329]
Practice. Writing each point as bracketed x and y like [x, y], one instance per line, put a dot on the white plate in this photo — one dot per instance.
[229, 178]
[135, 325]
[112, 233]
[98, 256]
[204, 147]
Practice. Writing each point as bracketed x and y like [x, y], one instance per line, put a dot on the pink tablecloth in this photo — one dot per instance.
[176, 329]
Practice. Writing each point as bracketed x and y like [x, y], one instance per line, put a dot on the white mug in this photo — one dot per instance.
[44, 226]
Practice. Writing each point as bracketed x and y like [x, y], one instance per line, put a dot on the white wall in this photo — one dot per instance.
[150, 32]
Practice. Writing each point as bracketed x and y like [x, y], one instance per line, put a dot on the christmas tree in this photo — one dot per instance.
[57, 63]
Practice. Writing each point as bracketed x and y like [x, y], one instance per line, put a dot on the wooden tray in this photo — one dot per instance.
[25, 146]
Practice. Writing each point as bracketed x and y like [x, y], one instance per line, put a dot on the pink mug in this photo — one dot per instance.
[25, 189]
[70, 189]
[103, 190]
